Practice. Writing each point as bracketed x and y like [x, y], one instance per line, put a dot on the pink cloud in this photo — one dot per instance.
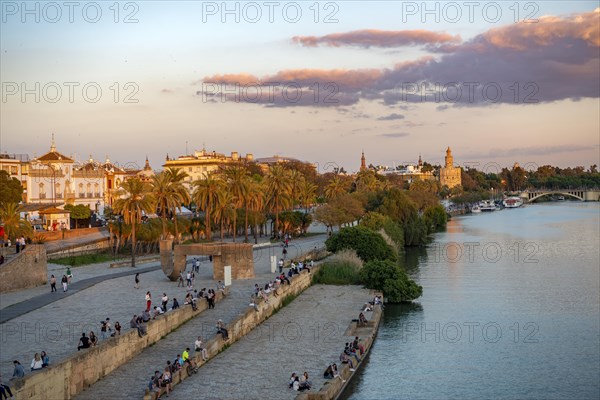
[554, 59]
[378, 38]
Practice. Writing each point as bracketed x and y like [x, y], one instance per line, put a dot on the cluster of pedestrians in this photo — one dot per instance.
[299, 383]
[164, 380]
[65, 281]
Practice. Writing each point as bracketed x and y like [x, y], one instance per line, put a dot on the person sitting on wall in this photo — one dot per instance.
[157, 311]
[222, 330]
[292, 380]
[357, 345]
[344, 359]
[362, 320]
[305, 383]
[84, 342]
[328, 374]
[45, 359]
[351, 353]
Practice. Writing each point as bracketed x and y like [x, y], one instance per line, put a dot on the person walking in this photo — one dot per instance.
[69, 274]
[148, 301]
[52, 284]
[65, 282]
[137, 281]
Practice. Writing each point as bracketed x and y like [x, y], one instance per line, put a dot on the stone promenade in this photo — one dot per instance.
[57, 326]
[307, 335]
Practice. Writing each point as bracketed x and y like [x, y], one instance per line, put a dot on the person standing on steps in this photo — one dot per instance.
[52, 284]
[137, 280]
[148, 301]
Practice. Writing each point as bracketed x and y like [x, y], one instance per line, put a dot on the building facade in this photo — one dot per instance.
[202, 163]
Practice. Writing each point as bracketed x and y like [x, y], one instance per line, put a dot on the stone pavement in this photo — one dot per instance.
[57, 326]
[307, 335]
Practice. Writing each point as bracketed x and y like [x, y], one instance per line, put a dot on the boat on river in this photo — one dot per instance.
[513, 202]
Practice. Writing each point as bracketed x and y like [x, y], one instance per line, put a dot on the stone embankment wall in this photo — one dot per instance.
[69, 377]
[25, 270]
[68, 233]
[246, 322]
[75, 250]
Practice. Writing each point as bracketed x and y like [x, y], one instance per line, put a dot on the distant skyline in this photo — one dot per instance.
[162, 81]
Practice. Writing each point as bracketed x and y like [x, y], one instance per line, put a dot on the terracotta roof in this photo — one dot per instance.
[54, 156]
[35, 207]
[54, 210]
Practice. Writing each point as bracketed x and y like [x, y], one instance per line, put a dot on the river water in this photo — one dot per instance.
[510, 309]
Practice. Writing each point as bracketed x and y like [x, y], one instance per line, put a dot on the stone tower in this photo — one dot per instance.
[450, 175]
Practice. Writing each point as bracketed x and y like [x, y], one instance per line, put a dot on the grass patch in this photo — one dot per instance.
[343, 269]
[83, 259]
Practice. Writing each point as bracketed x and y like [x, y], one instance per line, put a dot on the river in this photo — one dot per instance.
[510, 309]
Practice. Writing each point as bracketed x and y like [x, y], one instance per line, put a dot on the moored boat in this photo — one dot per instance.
[513, 202]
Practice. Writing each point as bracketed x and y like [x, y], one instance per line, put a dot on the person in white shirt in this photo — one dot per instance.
[199, 346]
[37, 362]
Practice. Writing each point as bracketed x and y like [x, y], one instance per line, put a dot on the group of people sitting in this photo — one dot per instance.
[39, 361]
[352, 354]
[299, 383]
[209, 295]
[165, 379]
[106, 329]
[85, 342]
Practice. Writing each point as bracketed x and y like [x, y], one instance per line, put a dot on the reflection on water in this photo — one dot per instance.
[510, 309]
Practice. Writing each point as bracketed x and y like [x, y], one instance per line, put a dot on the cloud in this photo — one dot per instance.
[531, 151]
[394, 135]
[556, 58]
[391, 117]
[377, 38]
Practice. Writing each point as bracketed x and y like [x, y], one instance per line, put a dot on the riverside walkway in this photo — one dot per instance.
[306, 335]
[55, 326]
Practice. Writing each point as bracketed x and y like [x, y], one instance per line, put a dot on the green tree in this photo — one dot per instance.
[368, 245]
[278, 189]
[176, 177]
[238, 182]
[388, 277]
[11, 190]
[79, 212]
[14, 225]
[206, 195]
[133, 200]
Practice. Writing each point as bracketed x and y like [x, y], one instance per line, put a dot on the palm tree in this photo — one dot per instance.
[296, 180]
[134, 200]
[237, 185]
[177, 177]
[14, 225]
[166, 197]
[335, 188]
[307, 194]
[206, 196]
[224, 209]
[255, 202]
[278, 189]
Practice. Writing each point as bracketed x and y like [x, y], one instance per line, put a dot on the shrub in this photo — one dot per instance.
[368, 245]
[388, 277]
[343, 269]
[435, 218]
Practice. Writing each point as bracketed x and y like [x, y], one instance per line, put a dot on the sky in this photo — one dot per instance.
[498, 82]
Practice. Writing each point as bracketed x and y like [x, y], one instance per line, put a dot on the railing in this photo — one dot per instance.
[59, 195]
[89, 195]
[42, 195]
[97, 194]
[81, 195]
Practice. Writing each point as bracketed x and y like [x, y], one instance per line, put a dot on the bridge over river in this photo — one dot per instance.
[579, 194]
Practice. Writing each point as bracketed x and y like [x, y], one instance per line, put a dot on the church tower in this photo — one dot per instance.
[363, 162]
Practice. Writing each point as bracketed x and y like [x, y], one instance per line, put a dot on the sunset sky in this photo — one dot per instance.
[319, 81]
